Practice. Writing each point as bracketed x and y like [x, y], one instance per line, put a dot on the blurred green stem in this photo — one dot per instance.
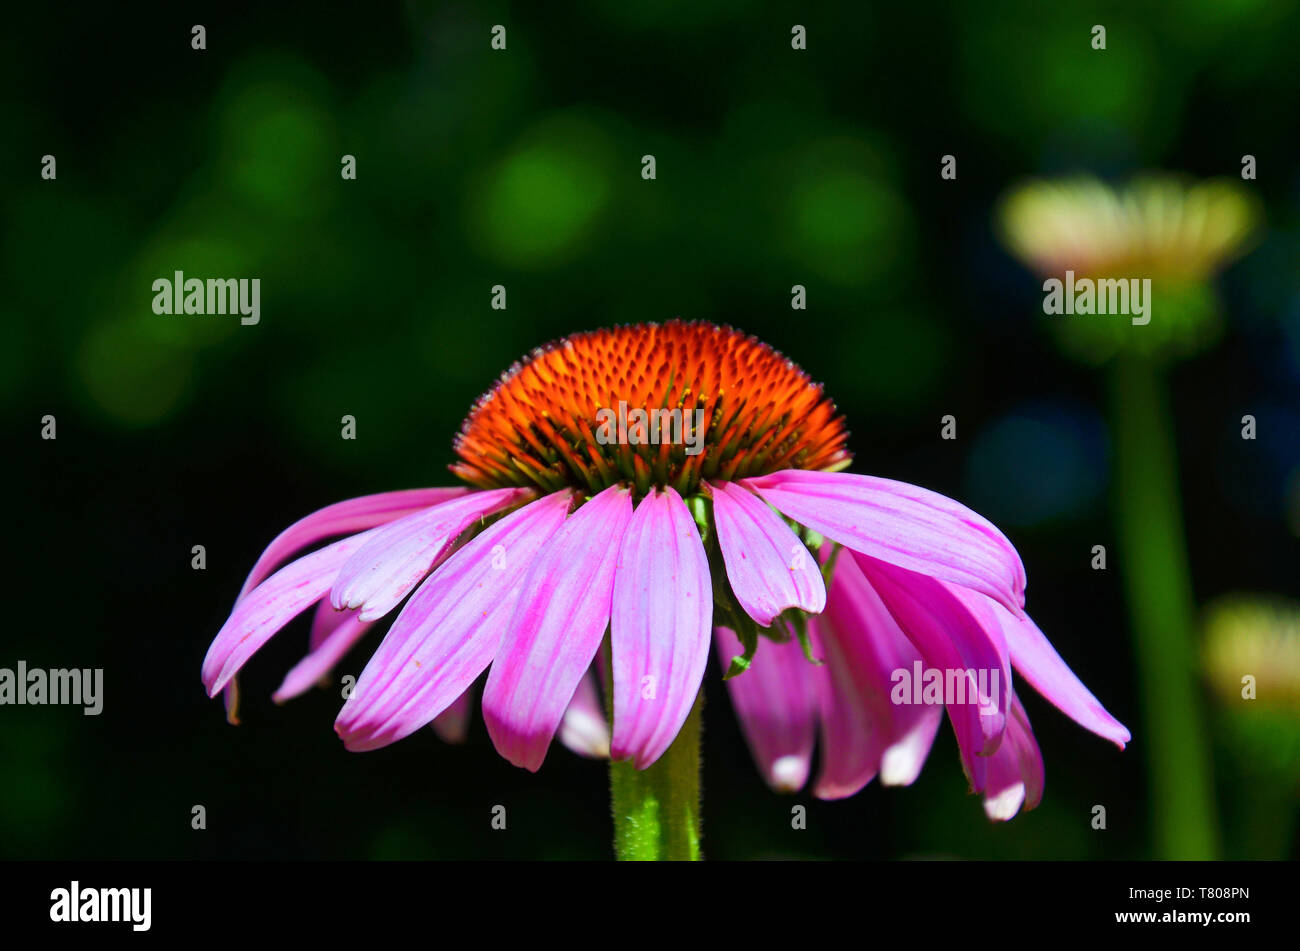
[1268, 819]
[1153, 556]
[657, 810]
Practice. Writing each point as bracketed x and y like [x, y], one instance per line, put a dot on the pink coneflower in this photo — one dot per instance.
[728, 533]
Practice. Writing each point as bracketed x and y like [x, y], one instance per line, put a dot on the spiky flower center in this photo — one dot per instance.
[649, 405]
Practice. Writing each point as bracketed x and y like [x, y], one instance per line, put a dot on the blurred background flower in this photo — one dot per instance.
[1252, 663]
[1163, 228]
[1256, 637]
[1161, 238]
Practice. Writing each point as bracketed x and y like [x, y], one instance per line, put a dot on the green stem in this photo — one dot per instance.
[657, 809]
[1268, 819]
[1153, 555]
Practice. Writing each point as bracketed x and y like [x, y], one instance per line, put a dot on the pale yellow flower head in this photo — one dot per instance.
[1157, 225]
[1258, 637]
[1173, 231]
[1251, 659]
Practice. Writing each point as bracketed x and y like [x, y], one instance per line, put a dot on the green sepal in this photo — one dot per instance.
[798, 620]
[747, 632]
[828, 569]
[700, 509]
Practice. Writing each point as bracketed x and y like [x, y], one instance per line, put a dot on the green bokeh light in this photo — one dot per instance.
[543, 201]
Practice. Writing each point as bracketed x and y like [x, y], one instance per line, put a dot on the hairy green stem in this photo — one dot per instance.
[657, 810]
[1153, 556]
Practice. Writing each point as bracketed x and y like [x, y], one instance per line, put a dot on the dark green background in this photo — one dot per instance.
[522, 168]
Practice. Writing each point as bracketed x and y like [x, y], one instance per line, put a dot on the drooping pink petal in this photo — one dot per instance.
[952, 640]
[556, 629]
[902, 760]
[851, 713]
[449, 631]
[391, 564]
[272, 604]
[452, 725]
[325, 621]
[903, 525]
[1015, 775]
[344, 518]
[776, 703]
[1038, 662]
[659, 627]
[865, 731]
[770, 570]
[980, 607]
[333, 635]
[584, 729]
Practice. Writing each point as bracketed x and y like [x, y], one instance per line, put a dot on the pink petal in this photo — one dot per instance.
[864, 731]
[334, 633]
[584, 729]
[768, 567]
[556, 628]
[272, 604]
[449, 631]
[776, 703]
[386, 570]
[851, 711]
[981, 610]
[903, 525]
[325, 622]
[452, 725]
[1015, 775]
[344, 518]
[949, 637]
[659, 629]
[1039, 663]
[901, 762]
